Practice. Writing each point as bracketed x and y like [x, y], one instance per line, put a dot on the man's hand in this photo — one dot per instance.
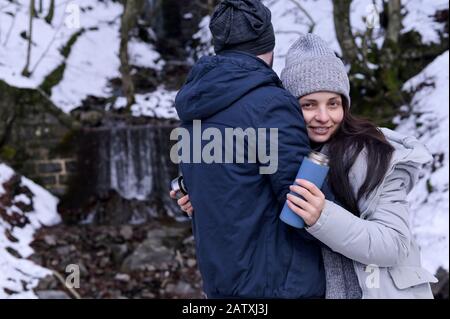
[310, 208]
[184, 203]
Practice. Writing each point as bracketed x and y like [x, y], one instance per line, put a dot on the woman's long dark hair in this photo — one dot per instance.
[354, 135]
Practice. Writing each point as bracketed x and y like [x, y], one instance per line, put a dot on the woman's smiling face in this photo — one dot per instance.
[323, 113]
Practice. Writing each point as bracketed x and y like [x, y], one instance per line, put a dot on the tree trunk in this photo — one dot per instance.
[129, 18]
[394, 21]
[26, 71]
[390, 53]
[341, 16]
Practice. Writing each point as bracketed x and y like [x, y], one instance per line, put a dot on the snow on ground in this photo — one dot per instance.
[145, 55]
[429, 122]
[20, 275]
[94, 58]
[204, 37]
[158, 104]
[13, 46]
[419, 17]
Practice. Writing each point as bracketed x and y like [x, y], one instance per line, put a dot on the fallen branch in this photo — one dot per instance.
[70, 289]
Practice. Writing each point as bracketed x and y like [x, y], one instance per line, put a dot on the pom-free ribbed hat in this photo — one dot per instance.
[311, 66]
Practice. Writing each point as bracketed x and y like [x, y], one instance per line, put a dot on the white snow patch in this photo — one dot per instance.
[429, 122]
[158, 104]
[19, 274]
[419, 17]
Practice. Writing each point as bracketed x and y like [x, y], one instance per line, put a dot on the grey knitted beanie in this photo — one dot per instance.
[311, 66]
[242, 25]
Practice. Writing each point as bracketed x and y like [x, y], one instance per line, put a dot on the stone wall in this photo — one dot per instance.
[35, 138]
[54, 173]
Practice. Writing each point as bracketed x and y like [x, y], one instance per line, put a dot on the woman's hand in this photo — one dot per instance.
[311, 206]
[184, 203]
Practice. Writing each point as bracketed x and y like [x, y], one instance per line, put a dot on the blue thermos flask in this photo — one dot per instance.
[314, 169]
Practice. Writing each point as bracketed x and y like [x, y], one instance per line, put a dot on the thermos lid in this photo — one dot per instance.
[319, 158]
[177, 184]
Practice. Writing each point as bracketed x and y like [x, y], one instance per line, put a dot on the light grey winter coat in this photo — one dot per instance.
[385, 256]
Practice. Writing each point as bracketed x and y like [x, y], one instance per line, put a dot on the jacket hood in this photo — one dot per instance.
[409, 154]
[407, 148]
[216, 82]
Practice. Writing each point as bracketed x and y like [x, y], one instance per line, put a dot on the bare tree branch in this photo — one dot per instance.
[300, 7]
[63, 282]
[11, 27]
[288, 32]
[49, 44]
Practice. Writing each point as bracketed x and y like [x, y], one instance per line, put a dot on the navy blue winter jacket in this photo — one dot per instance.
[243, 249]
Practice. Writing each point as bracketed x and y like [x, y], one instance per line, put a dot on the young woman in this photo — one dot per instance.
[368, 251]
